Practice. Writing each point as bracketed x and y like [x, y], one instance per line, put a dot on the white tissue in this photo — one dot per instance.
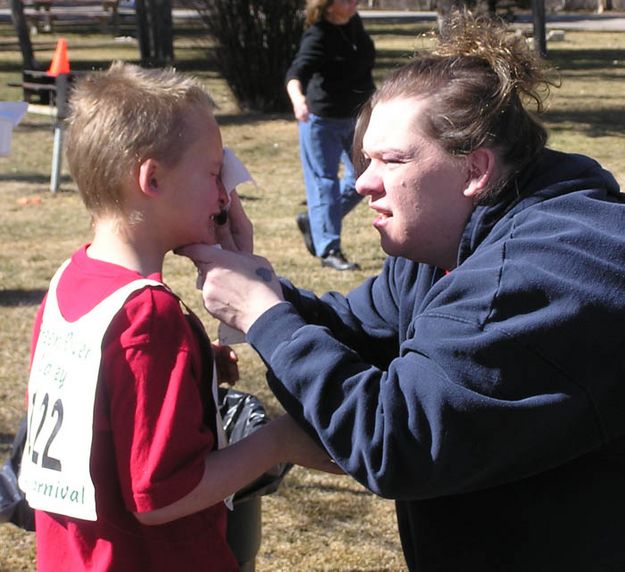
[233, 172]
[228, 336]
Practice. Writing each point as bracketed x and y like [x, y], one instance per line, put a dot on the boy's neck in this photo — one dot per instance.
[118, 245]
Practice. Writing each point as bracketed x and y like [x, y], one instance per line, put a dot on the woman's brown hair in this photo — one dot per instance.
[315, 10]
[478, 81]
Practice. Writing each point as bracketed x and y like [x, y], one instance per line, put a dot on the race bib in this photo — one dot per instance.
[55, 472]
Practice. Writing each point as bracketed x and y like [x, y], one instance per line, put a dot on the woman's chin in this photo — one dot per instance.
[389, 246]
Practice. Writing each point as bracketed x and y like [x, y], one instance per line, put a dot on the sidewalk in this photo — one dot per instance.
[606, 22]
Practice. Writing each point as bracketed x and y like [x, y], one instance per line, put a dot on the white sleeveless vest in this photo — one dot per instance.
[61, 395]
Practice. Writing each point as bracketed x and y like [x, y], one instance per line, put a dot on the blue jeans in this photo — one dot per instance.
[325, 142]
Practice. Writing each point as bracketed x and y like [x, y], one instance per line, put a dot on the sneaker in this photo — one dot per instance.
[303, 223]
[336, 259]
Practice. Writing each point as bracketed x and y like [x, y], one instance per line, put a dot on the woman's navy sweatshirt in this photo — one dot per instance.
[489, 402]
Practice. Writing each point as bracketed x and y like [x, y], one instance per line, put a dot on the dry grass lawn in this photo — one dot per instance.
[314, 521]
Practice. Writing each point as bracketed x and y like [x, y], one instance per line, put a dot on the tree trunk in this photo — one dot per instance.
[540, 34]
[23, 35]
[155, 32]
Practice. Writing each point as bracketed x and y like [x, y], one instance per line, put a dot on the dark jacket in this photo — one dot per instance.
[490, 401]
[334, 65]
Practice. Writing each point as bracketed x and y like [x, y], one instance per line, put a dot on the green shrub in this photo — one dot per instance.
[256, 41]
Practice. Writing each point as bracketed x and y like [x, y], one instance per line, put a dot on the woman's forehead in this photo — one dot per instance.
[394, 122]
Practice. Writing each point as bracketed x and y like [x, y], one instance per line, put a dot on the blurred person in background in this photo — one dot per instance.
[328, 81]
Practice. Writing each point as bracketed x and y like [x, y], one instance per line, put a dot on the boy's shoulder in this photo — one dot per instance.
[154, 306]
[156, 313]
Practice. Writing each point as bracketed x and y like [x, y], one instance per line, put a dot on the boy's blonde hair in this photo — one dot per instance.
[122, 116]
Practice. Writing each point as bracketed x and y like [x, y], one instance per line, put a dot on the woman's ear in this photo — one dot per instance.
[481, 172]
[148, 177]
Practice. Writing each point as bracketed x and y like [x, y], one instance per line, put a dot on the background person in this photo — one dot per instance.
[328, 81]
[478, 379]
[122, 460]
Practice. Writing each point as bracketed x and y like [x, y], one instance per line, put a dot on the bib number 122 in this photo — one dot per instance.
[34, 441]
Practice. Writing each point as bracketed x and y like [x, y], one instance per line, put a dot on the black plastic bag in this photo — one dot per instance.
[13, 505]
[242, 414]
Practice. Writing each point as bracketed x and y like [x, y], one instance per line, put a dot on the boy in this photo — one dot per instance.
[122, 460]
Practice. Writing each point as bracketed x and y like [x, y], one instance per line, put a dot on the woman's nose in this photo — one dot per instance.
[369, 182]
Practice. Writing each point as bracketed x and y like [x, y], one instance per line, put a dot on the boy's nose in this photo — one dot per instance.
[222, 193]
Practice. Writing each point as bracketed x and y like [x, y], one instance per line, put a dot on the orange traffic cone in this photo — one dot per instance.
[60, 61]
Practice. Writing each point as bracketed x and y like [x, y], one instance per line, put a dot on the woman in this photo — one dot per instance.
[328, 81]
[478, 379]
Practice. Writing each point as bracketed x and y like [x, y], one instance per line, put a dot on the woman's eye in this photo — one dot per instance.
[396, 162]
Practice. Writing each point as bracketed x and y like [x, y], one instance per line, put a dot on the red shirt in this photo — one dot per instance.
[150, 436]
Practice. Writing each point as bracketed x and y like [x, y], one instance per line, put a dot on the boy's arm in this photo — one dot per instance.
[230, 469]
[166, 461]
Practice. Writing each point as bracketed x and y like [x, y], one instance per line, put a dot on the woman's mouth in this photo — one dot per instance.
[381, 218]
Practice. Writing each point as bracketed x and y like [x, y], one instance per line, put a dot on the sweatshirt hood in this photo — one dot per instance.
[552, 174]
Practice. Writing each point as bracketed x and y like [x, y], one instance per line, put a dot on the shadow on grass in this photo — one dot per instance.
[250, 118]
[39, 123]
[34, 178]
[580, 60]
[597, 123]
[332, 488]
[12, 297]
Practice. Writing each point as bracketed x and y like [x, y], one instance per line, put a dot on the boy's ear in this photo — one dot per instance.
[481, 172]
[148, 177]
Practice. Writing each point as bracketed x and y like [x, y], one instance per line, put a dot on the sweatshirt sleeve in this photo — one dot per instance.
[433, 413]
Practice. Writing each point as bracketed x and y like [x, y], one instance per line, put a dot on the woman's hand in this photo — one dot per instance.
[236, 287]
[237, 234]
[300, 110]
[298, 99]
